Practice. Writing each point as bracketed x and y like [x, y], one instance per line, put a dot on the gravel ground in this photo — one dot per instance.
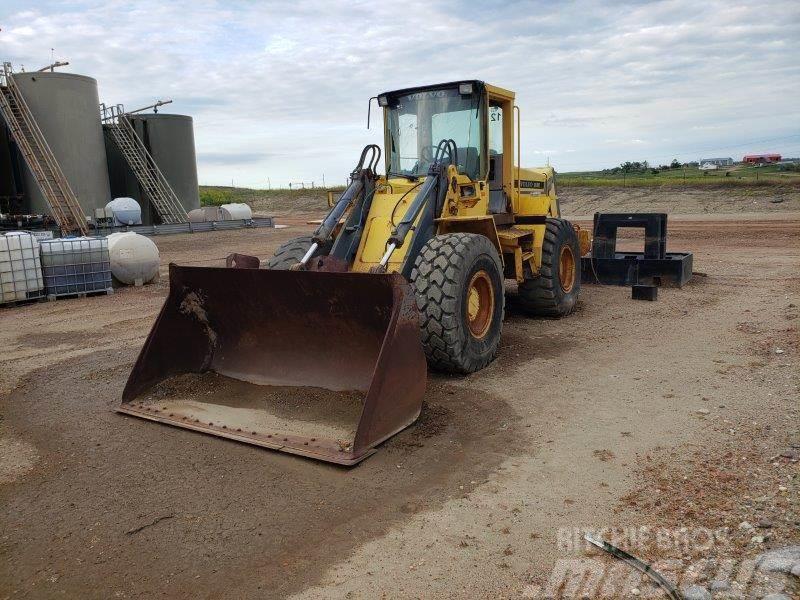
[678, 413]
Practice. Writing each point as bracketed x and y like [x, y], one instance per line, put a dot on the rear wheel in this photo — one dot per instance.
[554, 291]
[458, 282]
[292, 252]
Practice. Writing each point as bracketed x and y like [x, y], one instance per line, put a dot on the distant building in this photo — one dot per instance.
[708, 166]
[758, 159]
[720, 162]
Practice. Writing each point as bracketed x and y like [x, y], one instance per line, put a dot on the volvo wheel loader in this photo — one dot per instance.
[324, 352]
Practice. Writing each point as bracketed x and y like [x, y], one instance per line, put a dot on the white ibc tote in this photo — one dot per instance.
[20, 267]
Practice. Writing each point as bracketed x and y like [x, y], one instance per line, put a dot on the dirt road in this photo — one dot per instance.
[562, 430]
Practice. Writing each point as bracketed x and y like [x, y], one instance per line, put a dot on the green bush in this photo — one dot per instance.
[215, 197]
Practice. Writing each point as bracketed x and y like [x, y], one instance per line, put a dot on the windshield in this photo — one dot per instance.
[417, 122]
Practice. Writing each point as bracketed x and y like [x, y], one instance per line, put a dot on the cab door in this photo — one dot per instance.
[502, 192]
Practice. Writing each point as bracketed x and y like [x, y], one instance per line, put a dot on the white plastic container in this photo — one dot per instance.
[126, 211]
[134, 258]
[236, 212]
[205, 214]
[20, 267]
[77, 265]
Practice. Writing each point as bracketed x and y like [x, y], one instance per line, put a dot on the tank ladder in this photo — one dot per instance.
[55, 188]
[152, 181]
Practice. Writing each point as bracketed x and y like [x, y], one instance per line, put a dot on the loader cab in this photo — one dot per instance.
[417, 119]
[478, 117]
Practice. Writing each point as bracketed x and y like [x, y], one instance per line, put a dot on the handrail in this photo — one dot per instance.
[519, 158]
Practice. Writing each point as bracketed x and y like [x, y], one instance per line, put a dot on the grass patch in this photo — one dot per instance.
[691, 176]
[210, 196]
[302, 199]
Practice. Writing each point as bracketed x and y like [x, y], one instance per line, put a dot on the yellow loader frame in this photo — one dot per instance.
[517, 234]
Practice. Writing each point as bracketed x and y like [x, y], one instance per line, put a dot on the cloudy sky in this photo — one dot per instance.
[278, 90]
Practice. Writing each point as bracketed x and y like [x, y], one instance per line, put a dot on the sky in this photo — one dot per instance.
[279, 90]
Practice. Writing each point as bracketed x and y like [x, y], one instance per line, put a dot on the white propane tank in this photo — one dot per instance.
[204, 214]
[20, 267]
[134, 258]
[126, 211]
[236, 211]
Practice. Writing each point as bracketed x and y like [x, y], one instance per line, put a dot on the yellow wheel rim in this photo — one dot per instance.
[480, 304]
[566, 269]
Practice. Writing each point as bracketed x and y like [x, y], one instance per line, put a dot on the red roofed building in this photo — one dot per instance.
[755, 159]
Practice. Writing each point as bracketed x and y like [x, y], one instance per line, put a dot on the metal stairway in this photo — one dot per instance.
[144, 167]
[39, 157]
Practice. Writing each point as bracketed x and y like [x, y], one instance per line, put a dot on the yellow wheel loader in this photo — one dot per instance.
[324, 352]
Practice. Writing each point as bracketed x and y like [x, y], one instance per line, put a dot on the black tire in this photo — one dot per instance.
[546, 294]
[450, 270]
[292, 252]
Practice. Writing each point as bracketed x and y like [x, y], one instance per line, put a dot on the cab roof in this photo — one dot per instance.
[481, 85]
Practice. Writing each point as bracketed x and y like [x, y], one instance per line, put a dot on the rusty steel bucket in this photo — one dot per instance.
[324, 365]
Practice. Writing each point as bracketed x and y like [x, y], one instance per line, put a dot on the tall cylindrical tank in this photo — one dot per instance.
[10, 174]
[170, 140]
[6, 173]
[66, 108]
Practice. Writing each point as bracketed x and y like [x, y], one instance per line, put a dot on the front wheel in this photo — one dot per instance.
[292, 252]
[553, 292]
[458, 282]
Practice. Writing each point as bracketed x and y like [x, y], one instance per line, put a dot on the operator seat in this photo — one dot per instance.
[468, 160]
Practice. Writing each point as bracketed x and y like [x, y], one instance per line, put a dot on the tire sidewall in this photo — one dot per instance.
[566, 237]
[442, 271]
[488, 343]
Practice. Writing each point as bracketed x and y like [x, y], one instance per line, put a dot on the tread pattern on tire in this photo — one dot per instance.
[438, 279]
[291, 253]
[539, 295]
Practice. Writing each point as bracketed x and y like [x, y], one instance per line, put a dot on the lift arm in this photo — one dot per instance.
[360, 178]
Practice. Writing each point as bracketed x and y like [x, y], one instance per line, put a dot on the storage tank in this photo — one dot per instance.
[134, 258]
[8, 185]
[170, 140]
[66, 108]
[205, 214]
[126, 211]
[236, 211]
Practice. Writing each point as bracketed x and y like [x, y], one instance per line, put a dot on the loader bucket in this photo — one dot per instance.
[324, 365]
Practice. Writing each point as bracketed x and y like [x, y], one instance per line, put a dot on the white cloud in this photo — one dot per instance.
[280, 90]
